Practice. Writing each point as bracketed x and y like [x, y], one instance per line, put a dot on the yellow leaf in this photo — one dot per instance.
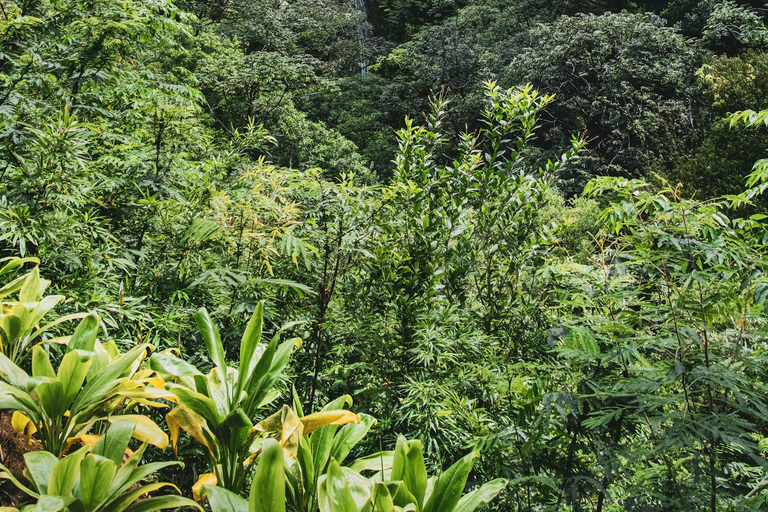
[205, 479]
[145, 429]
[83, 438]
[189, 421]
[21, 424]
[320, 419]
[289, 427]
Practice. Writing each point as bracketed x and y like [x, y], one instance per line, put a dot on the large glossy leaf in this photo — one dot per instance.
[39, 468]
[450, 485]
[30, 288]
[268, 486]
[65, 473]
[162, 503]
[211, 338]
[198, 403]
[172, 366]
[222, 500]
[96, 475]
[41, 364]
[145, 430]
[381, 461]
[84, 337]
[105, 379]
[126, 499]
[267, 373]
[52, 398]
[333, 491]
[480, 497]
[415, 476]
[11, 373]
[51, 503]
[188, 420]
[349, 436]
[72, 371]
[251, 339]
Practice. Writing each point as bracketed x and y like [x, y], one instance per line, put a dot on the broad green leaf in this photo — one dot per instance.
[85, 334]
[268, 486]
[172, 366]
[72, 371]
[222, 500]
[30, 290]
[415, 475]
[115, 440]
[335, 495]
[41, 364]
[450, 485]
[65, 473]
[480, 497]
[161, 503]
[381, 461]
[11, 373]
[39, 468]
[251, 339]
[51, 503]
[105, 379]
[96, 475]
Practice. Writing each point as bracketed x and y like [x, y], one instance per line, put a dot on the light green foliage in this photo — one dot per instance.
[219, 409]
[20, 320]
[656, 323]
[93, 382]
[100, 477]
[404, 486]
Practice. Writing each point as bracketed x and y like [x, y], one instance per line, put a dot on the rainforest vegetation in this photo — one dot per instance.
[383, 255]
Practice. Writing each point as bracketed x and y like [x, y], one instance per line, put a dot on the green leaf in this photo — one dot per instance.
[41, 364]
[172, 366]
[222, 500]
[96, 475]
[85, 334]
[114, 442]
[65, 473]
[268, 487]
[480, 497]
[450, 485]
[211, 337]
[415, 476]
[248, 344]
[39, 469]
[30, 290]
[335, 495]
[162, 503]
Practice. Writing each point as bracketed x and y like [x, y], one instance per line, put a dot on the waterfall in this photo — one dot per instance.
[363, 33]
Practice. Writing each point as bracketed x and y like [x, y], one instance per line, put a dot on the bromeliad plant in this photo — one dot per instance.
[92, 383]
[218, 409]
[95, 479]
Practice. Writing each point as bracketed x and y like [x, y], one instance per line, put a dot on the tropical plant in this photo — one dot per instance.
[401, 484]
[317, 441]
[218, 410]
[20, 320]
[92, 382]
[102, 476]
[405, 486]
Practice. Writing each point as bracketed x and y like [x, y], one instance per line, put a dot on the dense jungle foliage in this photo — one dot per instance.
[383, 255]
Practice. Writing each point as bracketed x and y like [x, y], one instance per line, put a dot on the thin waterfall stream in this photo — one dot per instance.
[363, 34]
